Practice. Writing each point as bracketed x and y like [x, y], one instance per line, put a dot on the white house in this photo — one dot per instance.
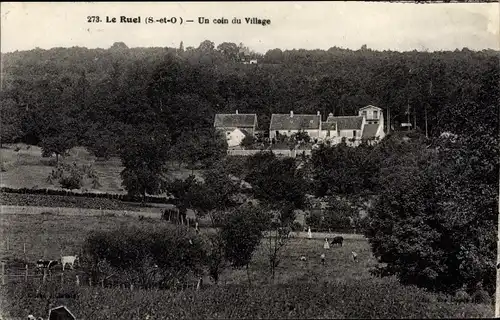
[367, 125]
[374, 119]
[235, 137]
[288, 124]
[229, 123]
[336, 128]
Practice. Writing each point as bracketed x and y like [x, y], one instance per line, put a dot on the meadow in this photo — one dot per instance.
[26, 168]
[341, 288]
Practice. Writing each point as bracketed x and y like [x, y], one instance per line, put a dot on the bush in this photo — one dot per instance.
[481, 296]
[131, 254]
[247, 142]
[314, 219]
[296, 226]
[71, 182]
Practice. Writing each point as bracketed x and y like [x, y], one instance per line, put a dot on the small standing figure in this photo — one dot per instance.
[322, 259]
[354, 256]
[196, 228]
[326, 245]
[309, 233]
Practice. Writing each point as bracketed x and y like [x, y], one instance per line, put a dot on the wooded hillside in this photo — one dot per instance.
[98, 95]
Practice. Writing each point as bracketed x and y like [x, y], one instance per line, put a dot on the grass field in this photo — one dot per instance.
[339, 289]
[26, 168]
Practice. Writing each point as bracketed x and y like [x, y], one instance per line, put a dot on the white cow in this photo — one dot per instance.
[68, 260]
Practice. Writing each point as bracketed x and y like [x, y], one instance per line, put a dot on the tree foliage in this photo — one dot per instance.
[242, 233]
[435, 222]
[277, 182]
[144, 159]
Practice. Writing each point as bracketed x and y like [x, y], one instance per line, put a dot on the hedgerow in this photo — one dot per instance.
[160, 256]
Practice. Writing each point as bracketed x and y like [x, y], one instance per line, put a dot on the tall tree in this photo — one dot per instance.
[144, 155]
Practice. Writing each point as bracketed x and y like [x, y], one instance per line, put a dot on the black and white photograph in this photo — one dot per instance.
[250, 160]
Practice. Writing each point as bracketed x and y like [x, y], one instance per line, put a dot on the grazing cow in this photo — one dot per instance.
[354, 256]
[338, 240]
[45, 264]
[303, 258]
[322, 258]
[68, 260]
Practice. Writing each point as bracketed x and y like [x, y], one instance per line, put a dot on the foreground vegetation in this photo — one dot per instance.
[302, 300]
[339, 289]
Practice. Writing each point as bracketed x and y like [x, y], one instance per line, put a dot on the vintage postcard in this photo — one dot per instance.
[238, 160]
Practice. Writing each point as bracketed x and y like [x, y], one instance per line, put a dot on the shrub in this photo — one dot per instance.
[71, 182]
[314, 219]
[132, 253]
[296, 226]
[247, 142]
[481, 296]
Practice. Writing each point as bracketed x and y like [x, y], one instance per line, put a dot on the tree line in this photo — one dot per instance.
[66, 96]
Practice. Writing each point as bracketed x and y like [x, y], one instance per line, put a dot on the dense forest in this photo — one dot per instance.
[93, 97]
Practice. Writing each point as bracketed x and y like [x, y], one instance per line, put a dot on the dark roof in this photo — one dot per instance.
[246, 133]
[297, 122]
[347, 123]
[369, 131]
[329, 126]
[235, 120]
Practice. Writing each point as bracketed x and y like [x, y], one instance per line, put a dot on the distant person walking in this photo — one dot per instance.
[326, 245]
[309, 233]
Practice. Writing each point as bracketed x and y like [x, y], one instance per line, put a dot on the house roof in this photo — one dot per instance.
[370, 107]
[295, 122]
[347, 122]
[329, 125]
[235, 120]
[369, 131]
[245, 132]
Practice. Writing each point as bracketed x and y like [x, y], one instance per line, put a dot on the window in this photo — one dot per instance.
[364, 114]
[354, 133]
[375, 114]
[328, 133]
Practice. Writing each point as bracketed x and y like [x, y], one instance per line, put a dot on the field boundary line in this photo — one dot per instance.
[68, 211]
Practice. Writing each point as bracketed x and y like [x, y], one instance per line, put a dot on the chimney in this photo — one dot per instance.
[236, 111]
[291, 114]
[318, 113]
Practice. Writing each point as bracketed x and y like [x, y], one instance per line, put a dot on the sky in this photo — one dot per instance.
[294, 25]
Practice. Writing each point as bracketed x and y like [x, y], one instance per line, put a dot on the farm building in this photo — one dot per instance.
[289, 124]
[236, 126]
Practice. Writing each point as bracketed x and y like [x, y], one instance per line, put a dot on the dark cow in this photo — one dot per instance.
[338, 240]
[46, 264]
